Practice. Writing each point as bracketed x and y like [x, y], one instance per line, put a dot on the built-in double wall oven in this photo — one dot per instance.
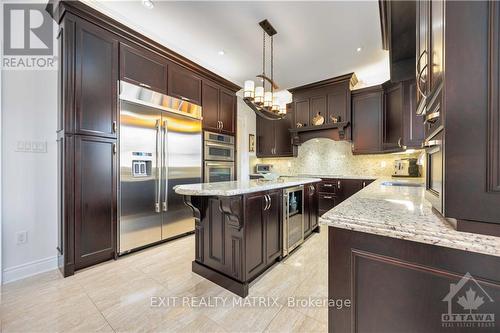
[219, 157]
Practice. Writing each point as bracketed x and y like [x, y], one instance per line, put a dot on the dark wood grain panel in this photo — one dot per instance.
[141, 67]
[227, 111]
[255, 229]
[273, 227]
[494, 99]
[398, 285]
[215, 232]
[318, 107]
[95, 200]
[393, 116]
[184, 84]
[302, 114]
[367, 126]
[210, 104]
[96, 81]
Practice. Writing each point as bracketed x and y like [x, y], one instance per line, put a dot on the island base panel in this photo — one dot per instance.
[236, 287]
[397, 285]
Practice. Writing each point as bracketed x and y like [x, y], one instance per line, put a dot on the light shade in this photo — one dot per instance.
[276, 103]
[268, 99]
[259, 95]
[249, 89]
[282, 110]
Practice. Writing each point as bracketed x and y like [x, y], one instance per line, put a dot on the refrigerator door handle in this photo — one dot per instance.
[164, 165]
[158, 169]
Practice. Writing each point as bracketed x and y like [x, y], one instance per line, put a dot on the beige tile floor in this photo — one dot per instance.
[117, 296]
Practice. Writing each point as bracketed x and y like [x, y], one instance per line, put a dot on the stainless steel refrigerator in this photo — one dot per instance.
[160, 147]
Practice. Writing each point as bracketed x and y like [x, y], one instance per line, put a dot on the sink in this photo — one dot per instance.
[402, 184]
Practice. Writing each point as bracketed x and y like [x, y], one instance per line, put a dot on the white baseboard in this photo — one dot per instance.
[29, 269]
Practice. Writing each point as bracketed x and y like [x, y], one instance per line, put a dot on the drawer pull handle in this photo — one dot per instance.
[327, 185]
[327, 197]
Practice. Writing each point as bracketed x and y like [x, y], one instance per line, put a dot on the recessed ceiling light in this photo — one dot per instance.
[221, 52]
[148, 4]
[359, 49]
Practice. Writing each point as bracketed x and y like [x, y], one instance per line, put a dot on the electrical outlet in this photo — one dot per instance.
[22, 237]
[31, 146]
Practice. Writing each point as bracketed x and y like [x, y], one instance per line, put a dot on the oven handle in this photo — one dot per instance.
[223, 145]
[432, 143]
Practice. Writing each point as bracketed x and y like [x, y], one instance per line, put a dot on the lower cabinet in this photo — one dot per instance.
[310, 208]
[95, 195]
[333, 191]
[263, 243]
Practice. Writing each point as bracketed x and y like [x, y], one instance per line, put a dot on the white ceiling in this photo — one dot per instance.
[315, 40]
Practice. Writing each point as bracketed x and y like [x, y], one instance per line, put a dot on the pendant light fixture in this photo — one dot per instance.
[263, 98]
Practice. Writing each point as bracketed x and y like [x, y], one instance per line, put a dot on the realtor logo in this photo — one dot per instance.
[28, 35]
[28, 30]
[464, 302]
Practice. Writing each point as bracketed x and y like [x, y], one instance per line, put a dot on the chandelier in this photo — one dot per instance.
[264, 99]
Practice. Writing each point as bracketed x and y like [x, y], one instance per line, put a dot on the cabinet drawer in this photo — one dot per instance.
[327, 187]
[326, 201]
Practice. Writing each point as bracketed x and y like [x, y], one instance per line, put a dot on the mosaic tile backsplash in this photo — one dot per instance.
[324, 156]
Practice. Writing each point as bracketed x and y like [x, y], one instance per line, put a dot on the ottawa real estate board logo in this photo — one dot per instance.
[28, 36]
[468, 305]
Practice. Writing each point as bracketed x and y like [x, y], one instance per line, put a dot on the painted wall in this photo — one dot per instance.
[29, 191]
[245, 126]
[328, 157]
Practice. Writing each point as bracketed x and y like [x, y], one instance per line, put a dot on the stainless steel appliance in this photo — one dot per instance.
[219, 147]
[217, 171]
[406, 167]
[434, 178]
[160, 147]
[219, 157]
[263, 168]
[293, 218]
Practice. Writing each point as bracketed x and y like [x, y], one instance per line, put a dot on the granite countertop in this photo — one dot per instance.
[403, 212]
[339, 176]
[240, 186]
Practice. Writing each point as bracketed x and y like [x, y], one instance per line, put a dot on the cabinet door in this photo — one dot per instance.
[348, 187]
[210, 104]
[367, 126]
[313, 206]
[227, 111]
[301, 110]
[144, 68]
[413, 124]
[393, 117]
[422, 54]
[95, 200]
[273, 227]
[265, 137]
[96, 81]
[184, 84]
[283, 136]
[255, 233]
[318, 107]
[436, 44]
[338, 105]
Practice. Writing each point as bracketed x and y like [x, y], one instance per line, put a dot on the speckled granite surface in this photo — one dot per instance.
[337, 176]
[403, 212]
[240, 186]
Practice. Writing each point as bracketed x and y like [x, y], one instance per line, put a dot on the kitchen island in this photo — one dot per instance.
[404, 267]
[241, 227]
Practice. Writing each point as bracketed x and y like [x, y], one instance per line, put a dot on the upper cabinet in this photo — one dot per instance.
[367, 118]
[184, 84]
[330, 99]
[143, 68]
[96, 81]
[219, 108]
[274, 138]
[384, 119]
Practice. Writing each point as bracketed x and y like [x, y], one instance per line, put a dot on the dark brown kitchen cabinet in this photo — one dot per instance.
[144, 68]
[262, 228]
[227, 111]
[318, 108]
[96, 80]
[95, 200]
[184, 84]
[436, 45]
[330, 99]
[334, 191]
[393, 116]
[413, 123]
[274, 138]
[422, 46]
[219, 108]
[311, 208]
[367, 120]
